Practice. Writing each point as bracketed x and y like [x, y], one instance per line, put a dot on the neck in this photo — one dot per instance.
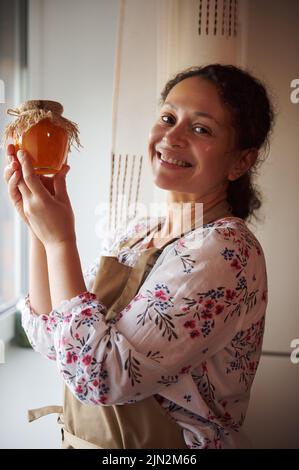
[184, 213]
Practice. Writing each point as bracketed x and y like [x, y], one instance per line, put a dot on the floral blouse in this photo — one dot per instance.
[191, 337]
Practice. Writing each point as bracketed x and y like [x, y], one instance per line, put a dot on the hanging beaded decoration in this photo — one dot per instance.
[124, 188]
[200, 17]
[208, 17]
[224, 11]
[230, 18]
[223, 17]
[126, 169]
[215, 17]
[235, 17]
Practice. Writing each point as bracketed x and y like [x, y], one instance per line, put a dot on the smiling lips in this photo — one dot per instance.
[173, 161]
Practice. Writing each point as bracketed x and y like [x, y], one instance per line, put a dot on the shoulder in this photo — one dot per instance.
[234, 232]
[225, 243]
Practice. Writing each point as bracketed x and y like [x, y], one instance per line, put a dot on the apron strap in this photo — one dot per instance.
[70, 440]
[143, 235]
[37, 413]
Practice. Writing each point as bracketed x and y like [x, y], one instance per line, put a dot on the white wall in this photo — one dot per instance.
[272, 416]
[272, 53]
[71, 60]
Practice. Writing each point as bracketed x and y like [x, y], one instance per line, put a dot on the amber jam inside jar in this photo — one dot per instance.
[45, 135]
[47, 145]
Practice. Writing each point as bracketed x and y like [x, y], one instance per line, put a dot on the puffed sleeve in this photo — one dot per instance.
[190, 307]
[39, 328]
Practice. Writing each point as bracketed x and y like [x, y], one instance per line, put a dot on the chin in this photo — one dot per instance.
[166, 184]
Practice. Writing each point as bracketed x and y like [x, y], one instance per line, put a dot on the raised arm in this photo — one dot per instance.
[39, 292]
[38, 271]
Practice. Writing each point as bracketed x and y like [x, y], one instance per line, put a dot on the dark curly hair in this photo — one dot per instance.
[252, 116]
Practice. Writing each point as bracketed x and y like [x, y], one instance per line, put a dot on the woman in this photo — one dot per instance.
[158, 344]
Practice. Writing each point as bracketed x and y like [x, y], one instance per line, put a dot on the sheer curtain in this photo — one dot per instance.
[155, 40]
[198, 32]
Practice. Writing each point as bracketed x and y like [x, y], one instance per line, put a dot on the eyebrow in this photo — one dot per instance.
[196, 113]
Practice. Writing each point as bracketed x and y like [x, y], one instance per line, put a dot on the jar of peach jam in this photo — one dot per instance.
[42, 131]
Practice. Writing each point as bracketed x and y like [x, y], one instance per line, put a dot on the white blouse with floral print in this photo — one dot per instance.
[191, 337]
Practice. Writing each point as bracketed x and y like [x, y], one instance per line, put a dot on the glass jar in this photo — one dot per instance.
[42, 131]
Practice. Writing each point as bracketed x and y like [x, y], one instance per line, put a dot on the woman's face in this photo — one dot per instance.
[194, 128]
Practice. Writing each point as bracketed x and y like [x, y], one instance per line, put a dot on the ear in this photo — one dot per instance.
[244, 162]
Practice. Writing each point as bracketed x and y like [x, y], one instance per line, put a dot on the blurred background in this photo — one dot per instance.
[106, 62]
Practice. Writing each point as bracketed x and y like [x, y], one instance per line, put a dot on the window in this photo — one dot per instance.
[13, 67]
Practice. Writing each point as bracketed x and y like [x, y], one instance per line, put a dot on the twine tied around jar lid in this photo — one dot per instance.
[32, 112]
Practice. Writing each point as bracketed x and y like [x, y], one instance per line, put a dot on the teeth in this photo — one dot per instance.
[173, 161]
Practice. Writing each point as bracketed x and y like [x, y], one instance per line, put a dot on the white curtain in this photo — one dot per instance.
[157, 38]
[197, 32]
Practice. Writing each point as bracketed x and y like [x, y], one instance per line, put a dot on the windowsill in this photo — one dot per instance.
[8, 309]
[28, 381]
[7, 323]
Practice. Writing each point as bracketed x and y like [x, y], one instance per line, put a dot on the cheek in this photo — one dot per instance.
[211, 162]
[205, 154]
[155, 136]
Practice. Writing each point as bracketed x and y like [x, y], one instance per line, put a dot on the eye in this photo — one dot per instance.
[201, 130]
[167, 119]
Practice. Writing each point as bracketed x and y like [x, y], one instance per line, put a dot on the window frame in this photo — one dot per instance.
[20, 232]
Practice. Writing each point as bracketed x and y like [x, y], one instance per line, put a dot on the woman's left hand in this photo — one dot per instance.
[50, 216]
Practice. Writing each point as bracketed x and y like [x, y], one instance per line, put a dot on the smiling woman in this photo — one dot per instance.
[205, 132]
[236, 115]
[195, 128]
[168, 326]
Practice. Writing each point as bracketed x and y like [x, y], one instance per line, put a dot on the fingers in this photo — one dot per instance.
[12, 175]
[9, 170]
[11, 150]
[23, 188]
[28, 182]
[10, 153]
[60, 183]
[12, 186]
[64, 170]
[31, 182]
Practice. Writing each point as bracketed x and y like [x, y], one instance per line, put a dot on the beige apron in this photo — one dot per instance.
[141, 425]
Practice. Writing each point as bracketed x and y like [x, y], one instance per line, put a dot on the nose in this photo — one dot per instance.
[175, 136]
